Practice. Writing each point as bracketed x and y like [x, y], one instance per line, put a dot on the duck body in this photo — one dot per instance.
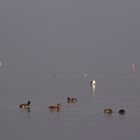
[69, 99]
[25, 106]
[58, 106]
[122, 111]
[108, 110]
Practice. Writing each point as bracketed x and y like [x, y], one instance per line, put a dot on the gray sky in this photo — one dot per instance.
[63, 34]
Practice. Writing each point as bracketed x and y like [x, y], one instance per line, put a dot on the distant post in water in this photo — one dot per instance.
[133, 67]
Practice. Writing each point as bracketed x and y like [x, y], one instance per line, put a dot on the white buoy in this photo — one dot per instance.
[93, 82]
[0, 64]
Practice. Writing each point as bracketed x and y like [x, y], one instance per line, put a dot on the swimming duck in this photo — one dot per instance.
[93, 82]
[58, 106]
[25, 106]
[108, 110]
[69, 99]
[122, 111]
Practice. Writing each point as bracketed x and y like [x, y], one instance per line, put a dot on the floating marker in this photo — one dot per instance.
[133, 67]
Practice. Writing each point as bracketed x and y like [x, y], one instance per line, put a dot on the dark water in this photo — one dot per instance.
[52, 49]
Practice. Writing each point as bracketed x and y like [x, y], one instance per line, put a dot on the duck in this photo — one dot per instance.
[122, 111]
[93, 82]
[58, 106]
[108, 110]
[25, 106]
[69, 99]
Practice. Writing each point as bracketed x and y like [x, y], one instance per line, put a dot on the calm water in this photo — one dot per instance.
[47, 47]
[84, 119]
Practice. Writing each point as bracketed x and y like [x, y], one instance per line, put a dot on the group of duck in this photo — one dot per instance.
[110, 111]
[58, 106]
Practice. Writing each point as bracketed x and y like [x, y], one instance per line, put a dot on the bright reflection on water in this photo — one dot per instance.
[93, 94]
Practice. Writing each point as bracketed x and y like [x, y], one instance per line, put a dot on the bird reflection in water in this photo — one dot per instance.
[26, 111]
[93, 88]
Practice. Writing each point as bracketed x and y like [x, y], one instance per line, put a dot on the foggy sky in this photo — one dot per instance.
[58, 35]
